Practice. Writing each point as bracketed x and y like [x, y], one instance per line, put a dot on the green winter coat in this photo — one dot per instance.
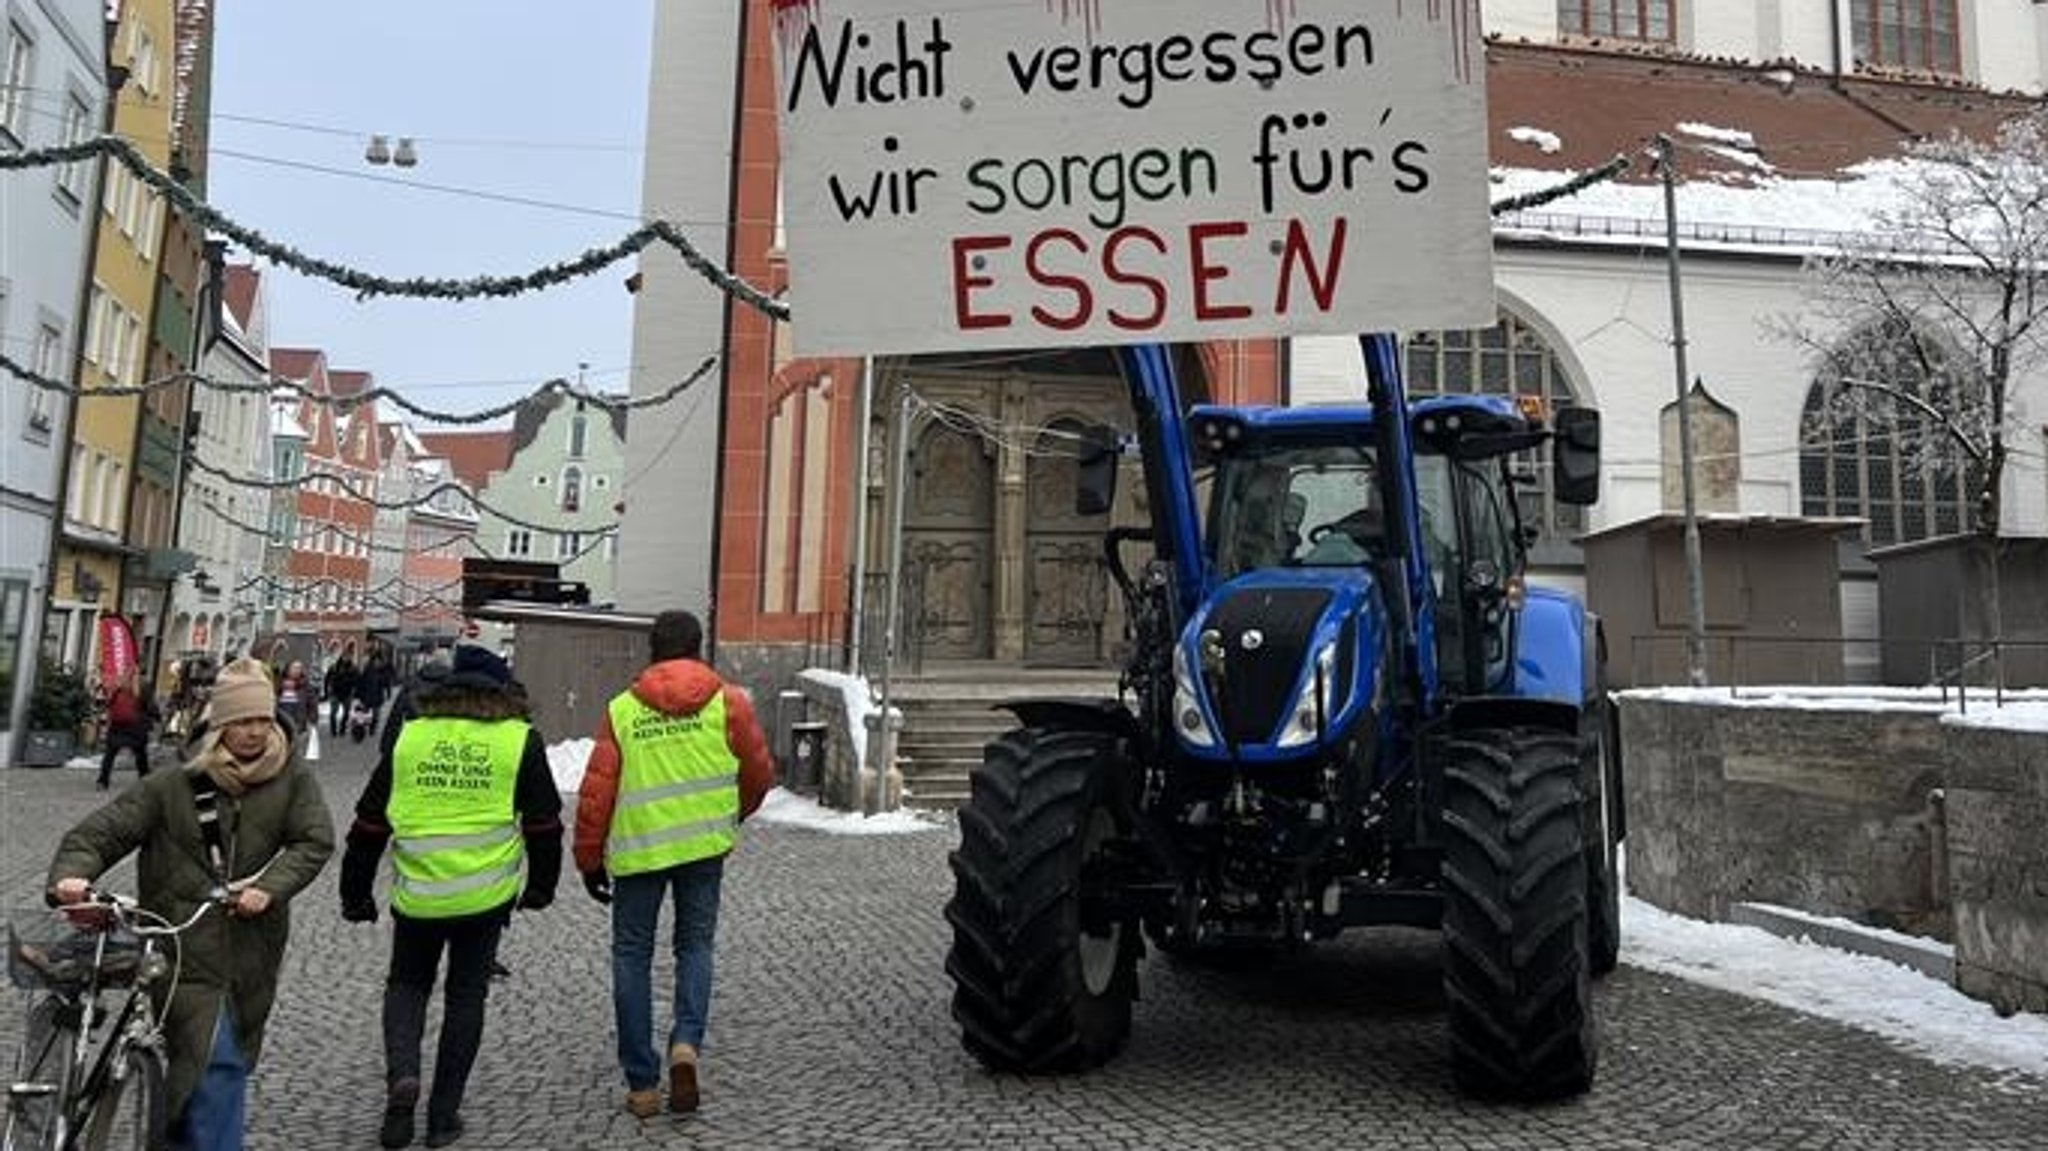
[222, 955]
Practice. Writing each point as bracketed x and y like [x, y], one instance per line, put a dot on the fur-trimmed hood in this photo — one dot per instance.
[470, 697]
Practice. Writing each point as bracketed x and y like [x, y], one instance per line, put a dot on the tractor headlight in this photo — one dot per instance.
[1312, 710]
[1187, 704]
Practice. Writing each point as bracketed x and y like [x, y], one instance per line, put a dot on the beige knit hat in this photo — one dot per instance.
[242, 691]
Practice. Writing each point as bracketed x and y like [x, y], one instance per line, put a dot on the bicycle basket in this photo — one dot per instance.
[47, 951]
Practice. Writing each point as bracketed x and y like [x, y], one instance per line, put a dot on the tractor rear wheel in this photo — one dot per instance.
[1602, 816]
[1517, 971]
[1044, 961]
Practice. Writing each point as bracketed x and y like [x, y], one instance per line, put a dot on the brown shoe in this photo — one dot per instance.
[643, 1104]
[682, 1079]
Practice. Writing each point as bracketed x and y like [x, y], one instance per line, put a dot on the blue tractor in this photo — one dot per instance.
[1342, 706]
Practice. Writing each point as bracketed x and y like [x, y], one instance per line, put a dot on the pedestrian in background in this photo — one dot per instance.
[680, 761]
[341, 691]
[373, 685]
[295, 696]
[273, 835]
[128, 723]
[467, 802]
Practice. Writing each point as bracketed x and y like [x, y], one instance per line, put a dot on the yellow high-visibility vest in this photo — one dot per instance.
[679, 787]
[456, 844]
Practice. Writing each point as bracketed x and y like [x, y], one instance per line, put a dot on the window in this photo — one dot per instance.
[1509, 358]
[1877, 461]
[519, 542]
[15, 82]
[142, 58]
[1919, 34]
[1628, 19]
[567, 544]
[572, 488]
[49, 363]
[77, 127]
[579, 429]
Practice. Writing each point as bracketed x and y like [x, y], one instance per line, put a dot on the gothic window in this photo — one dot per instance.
[1884, 462]
[1918, 34]
[1627, 19]
[1509, 358]
[572, 488]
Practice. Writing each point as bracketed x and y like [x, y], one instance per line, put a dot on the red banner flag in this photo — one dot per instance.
[117, 650]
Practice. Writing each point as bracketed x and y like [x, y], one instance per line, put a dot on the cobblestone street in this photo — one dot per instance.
[831, 1030]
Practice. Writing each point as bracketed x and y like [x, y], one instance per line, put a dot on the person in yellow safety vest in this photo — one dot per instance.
[679, 762]
[467, 801]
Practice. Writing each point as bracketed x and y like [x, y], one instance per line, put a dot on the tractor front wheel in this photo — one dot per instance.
[1044, 957]
[1517, 970]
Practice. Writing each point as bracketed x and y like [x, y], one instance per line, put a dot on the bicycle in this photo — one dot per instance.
[91, 1074]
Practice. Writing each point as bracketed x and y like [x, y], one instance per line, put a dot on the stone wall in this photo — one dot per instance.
[1833, 812]
[1998, 863]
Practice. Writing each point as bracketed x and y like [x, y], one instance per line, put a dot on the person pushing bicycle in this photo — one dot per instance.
[242, 805]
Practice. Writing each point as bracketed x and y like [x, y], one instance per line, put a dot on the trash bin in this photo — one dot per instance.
[806, 755]
[790, 707]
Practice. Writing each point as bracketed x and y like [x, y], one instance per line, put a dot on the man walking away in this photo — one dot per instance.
[127, 726]
[680, 761]
[466, 798]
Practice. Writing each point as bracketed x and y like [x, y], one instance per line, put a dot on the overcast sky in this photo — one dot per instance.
[542, 102]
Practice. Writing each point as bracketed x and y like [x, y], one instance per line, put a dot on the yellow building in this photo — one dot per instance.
[98, 503]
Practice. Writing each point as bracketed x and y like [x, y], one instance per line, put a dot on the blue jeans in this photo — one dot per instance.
[636, 912]
[214, 1115]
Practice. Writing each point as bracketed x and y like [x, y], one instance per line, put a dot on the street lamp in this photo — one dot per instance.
[381, 152]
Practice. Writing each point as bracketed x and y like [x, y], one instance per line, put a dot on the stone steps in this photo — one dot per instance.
[948, 720]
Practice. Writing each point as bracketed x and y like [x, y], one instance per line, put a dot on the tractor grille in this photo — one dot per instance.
[1260, 682]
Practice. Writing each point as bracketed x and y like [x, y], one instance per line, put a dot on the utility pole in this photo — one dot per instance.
[882, 748]
[1695, 582]
[856, 628]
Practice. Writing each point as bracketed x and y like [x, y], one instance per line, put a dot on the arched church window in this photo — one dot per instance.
[1862, 454]
[1510, 358]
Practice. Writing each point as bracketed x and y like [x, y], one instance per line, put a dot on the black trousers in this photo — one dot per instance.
[135, 739]
[416, 947]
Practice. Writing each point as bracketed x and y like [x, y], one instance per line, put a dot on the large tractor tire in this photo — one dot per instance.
[1044, 962]
[1517, 972]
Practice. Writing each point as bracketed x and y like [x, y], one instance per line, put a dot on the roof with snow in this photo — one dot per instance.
[238, 292]
[1574, 107]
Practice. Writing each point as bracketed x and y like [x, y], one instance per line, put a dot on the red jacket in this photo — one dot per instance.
[677, 687]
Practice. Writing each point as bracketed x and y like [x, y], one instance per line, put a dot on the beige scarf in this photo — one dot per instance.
[237, 776]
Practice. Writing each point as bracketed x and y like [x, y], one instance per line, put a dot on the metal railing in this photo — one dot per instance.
[874, 624]
[1751, 660]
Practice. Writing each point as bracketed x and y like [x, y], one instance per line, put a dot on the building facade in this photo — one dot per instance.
[556, 500]
[216, 605]
[52, 90]
[92, 557]
[326, 580]
[746, 483]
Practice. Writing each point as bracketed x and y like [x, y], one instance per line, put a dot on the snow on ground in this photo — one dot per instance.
[1924, 1015]
[569, 758]
[792, 810]
[2017, 715]
[1545, 142]
[1979, 701]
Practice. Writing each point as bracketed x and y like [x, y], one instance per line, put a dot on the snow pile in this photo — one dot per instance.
[85, 761]
[568, 760]
[1544, 142]
[792, 810]
[1924, 1015]
[859, 705]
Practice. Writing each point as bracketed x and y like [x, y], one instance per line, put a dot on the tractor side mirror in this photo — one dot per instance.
[1575, 456]
[1095, 489]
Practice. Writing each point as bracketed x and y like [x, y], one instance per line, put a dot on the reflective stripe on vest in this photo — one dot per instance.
[456, 844]
[679, 787]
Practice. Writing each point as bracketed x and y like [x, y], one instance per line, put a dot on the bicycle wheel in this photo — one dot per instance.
[130, 1110]
[46, 1045]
